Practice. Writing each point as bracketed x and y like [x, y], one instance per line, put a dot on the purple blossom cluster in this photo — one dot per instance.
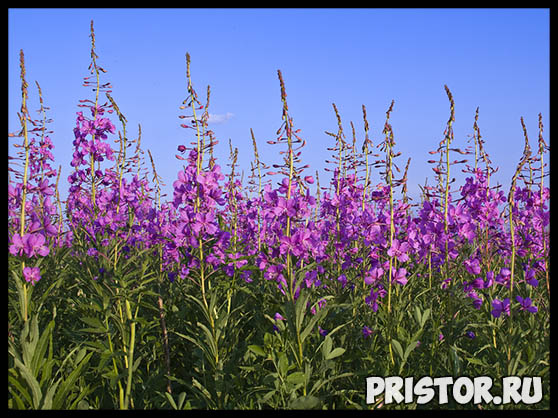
[34, 223]
[352, 236]
[41, 221]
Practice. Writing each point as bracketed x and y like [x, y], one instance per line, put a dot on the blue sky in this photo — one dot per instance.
[496, 59]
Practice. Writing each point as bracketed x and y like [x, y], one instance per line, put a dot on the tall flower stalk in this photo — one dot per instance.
[23, 117]
[511, 204]
[289, 163]
[448, 138]
[366, 150]
[542, 148]
[387, 147]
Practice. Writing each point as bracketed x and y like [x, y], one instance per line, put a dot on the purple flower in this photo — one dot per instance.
[400, 276]
[473, 266]
[478, 283]
[274, 272]
[500, 306]
[30, 245]
[446, 282]
[477, 301]
[343, 279]
[278, 317]
[310, 277]
[320, 303]
[489, 279]
[32, 275]
[372, 299]
[322, 331]
[504, 276]
[526, 304]
[399, 249]
[373, 275]
[530, 278]
[470, 334]
[229, 269]
[204, 222]
[286, 245]
[468, 230]
[17, 245]
[246, 276]
[366, 332]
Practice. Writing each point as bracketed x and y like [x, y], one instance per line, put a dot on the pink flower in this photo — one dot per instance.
[500, 307]
[399, 250]
[30, 245]
[473, 266]
[278, 317]
[373, 275]
[16, 248]
[204, 222]
[400, 276]
[32, 274]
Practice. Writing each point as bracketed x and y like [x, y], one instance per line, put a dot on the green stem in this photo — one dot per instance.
[23, 119]
[130, 357]
[111, 348]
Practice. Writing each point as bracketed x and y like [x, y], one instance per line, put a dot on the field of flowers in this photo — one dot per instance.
[265, 295]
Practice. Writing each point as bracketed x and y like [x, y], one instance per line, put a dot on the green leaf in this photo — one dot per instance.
[455, 361]
[335, 353]
[283, 365]
[68, 384]
[95, 323]
[327, 346]
[397, 346]
[46, 372]
[296, 378]
[29, 338]
[40, 350]
[16, 384]
[425, 316]
[31, 382]
[317, 317]
[80, 355]
[47, 400]
[512, 367]
[418, 315]
[181, 398]
[300, 310]
[318, 385]
[258, 350]
[410, 348]
[210, 340]
[171, 401]
[204, 347]
[202, 389]
[305, 402]
[83, 405]
[476, 361]
[19, 402]
[264, 399]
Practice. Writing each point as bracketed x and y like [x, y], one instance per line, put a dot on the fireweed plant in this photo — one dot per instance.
[227, 295]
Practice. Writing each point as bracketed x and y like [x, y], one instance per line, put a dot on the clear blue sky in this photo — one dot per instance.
[497, 59]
